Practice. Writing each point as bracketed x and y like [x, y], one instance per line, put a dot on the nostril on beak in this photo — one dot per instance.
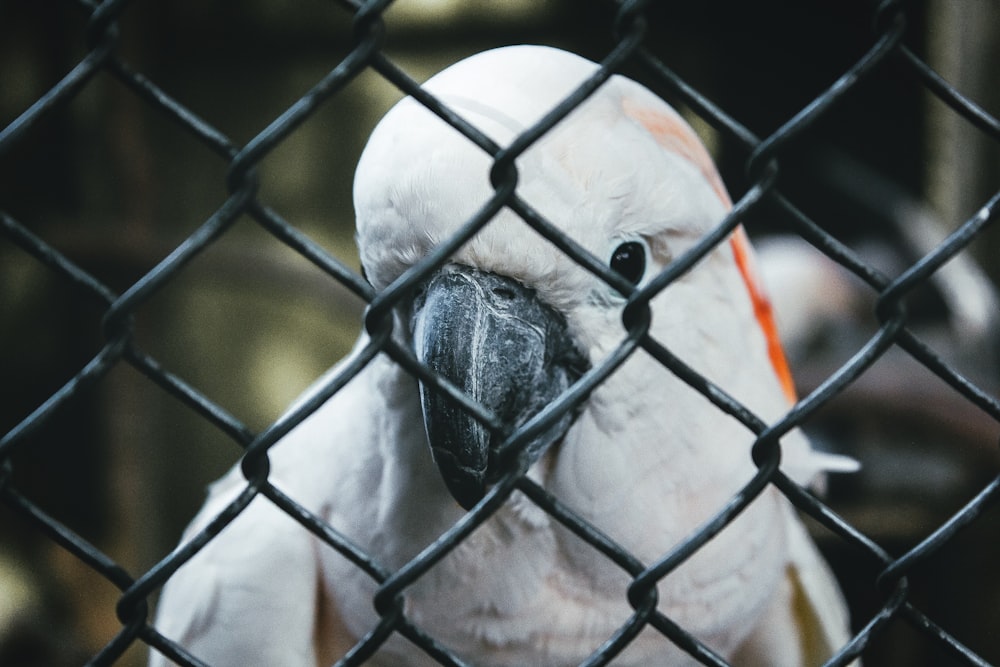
[504, 293]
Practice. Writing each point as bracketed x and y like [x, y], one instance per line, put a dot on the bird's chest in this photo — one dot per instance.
[523, 593]
[504, 596]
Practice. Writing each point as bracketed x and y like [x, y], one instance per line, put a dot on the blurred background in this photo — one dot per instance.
[115, 186]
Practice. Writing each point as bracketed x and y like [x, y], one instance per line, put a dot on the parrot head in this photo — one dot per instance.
[510, 319]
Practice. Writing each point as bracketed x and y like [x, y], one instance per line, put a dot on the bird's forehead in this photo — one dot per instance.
[436, 182]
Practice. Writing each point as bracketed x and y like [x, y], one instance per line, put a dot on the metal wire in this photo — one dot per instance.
[244, 203]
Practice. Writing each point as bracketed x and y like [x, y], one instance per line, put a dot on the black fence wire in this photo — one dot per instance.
[48, 466]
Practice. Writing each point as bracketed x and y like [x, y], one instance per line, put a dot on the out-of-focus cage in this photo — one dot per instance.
[132, 370]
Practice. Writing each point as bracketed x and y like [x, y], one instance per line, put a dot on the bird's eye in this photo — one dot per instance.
[629, 261]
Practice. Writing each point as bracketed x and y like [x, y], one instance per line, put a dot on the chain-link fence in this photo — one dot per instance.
[162, 278]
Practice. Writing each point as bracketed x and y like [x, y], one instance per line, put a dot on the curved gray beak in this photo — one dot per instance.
[496, 341]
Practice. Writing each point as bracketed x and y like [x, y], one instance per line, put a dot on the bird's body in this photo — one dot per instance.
[647, 459]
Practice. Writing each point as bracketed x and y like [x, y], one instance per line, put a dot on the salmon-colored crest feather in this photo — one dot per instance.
[762, 310]
[673, 134]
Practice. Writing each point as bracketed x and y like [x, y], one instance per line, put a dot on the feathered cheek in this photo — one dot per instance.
[596, 329]
[384, 263]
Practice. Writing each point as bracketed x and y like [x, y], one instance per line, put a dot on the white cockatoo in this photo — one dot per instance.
[512, 321]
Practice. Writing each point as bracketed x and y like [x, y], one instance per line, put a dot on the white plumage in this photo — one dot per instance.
[646, 461]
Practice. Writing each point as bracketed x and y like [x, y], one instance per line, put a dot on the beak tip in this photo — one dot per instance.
[467, 502]
[467, 485]
[466, 493]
